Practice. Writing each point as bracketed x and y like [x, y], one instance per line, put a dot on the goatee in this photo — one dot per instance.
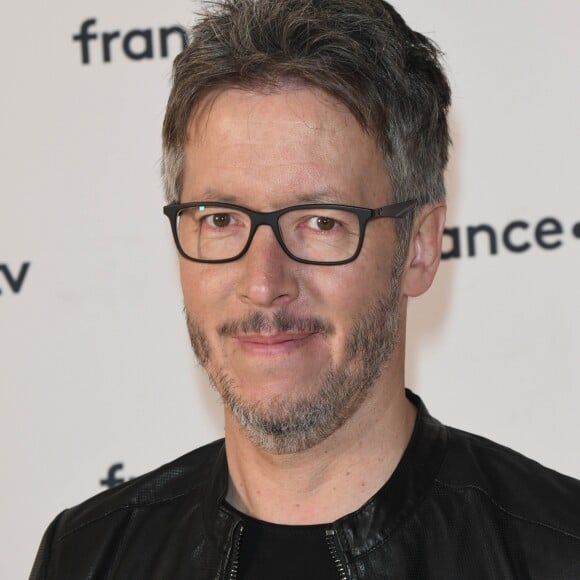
[290, 425]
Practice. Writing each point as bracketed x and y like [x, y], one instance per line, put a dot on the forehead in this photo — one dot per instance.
[286, 142]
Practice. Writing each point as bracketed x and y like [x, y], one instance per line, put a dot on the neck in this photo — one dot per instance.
[331, 479]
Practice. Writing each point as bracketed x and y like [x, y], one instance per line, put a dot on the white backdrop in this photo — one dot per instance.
[95, 363]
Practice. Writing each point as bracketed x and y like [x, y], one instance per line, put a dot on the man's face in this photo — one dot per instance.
[292, 348]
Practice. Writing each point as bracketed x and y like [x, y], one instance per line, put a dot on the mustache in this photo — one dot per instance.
[281, 321]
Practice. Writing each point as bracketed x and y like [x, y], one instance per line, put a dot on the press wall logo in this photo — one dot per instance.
[12, 278]
[135, 44]
[517, 237]
[114, 476]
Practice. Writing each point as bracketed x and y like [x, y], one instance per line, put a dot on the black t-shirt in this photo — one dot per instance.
[269, 551]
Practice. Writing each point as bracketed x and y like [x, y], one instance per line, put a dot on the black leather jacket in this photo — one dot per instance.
[457, 507]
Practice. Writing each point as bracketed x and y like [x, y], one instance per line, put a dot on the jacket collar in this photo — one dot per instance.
[219, 522]
[372, 523]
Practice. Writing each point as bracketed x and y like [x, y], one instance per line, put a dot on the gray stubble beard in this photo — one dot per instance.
[283, 426]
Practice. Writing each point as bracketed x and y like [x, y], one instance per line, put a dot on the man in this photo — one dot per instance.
[304, 149]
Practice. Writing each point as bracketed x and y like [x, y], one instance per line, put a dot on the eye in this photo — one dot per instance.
[219, 220]
[323, 223]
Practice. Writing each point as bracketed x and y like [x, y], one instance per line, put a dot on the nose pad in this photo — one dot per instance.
[267, 276]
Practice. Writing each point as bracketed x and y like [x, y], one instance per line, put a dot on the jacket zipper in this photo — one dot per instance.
[235, 555]
[332, 541]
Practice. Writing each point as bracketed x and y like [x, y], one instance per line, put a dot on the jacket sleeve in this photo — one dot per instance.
[45, 554]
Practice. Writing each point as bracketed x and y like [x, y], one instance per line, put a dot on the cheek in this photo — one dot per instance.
[343, 294]
[202, 289]
[362, 279]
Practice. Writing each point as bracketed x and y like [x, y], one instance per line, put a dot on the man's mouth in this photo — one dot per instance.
[276, 338]
[279, 343]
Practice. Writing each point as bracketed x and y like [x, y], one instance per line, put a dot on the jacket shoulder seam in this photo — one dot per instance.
[508, 512]
[128, 506]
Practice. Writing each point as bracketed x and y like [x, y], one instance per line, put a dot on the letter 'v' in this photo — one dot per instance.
[15, 283]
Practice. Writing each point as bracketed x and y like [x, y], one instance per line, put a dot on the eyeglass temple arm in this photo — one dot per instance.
[396, 210]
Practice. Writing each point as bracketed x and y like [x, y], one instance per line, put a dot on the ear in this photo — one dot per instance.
[424, 252]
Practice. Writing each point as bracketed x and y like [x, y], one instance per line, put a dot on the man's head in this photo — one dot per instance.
[359, 51]
[276, 104]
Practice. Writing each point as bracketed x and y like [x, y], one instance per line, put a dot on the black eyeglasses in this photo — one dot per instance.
[322, 234]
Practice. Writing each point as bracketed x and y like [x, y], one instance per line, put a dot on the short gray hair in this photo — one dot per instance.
[359, 51]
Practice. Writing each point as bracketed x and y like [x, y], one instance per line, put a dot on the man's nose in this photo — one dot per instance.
[267, 275]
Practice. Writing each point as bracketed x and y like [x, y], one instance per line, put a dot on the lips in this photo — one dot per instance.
[274, 344]
[277, 338]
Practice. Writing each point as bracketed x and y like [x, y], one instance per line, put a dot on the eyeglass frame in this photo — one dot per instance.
[257, 218]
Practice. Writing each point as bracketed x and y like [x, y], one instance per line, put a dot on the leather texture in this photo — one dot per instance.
[458, 506]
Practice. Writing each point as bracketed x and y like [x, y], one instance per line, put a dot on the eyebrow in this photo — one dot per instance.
[216, 195]
[322, 196]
